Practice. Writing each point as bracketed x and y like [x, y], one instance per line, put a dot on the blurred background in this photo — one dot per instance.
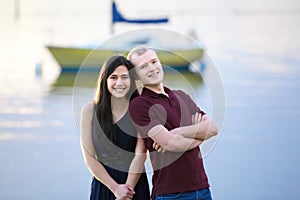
[254, 45]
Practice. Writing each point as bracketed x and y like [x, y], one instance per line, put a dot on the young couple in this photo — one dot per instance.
[120, 125]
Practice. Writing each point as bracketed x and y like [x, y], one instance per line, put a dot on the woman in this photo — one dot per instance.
[111, 148]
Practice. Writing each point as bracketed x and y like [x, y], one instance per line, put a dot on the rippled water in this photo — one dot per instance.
[255, 48]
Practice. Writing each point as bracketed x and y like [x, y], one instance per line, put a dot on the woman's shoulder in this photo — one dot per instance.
[87, 109]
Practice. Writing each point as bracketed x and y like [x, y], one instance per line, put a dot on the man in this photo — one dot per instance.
[169, 120]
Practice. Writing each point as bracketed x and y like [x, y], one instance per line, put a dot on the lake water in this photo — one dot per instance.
[254, 46]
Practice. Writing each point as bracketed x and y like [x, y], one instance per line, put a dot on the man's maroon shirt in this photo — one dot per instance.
[173, 172]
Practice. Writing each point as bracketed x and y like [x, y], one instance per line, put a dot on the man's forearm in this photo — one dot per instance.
[200, 131]
[172, 142]
[181, 144]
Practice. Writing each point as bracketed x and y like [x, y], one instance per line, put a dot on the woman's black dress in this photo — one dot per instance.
[116, 157]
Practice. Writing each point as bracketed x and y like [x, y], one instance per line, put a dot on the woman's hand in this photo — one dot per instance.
[124, 192]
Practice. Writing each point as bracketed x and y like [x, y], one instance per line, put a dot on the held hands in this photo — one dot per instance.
[124, 192]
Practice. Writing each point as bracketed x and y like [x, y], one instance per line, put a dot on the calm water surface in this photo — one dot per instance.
[255, 50]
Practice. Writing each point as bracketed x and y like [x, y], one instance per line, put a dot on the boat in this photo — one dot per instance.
[71, 59]
[173, 50]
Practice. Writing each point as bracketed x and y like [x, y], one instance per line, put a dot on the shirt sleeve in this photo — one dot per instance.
[143, 116]
[192, 105]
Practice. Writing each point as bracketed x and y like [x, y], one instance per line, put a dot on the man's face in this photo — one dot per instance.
[148, 68]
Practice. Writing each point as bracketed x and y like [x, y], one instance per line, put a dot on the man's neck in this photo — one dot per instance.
[159, 89]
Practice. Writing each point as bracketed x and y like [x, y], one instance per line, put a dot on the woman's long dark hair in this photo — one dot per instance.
[102, 101]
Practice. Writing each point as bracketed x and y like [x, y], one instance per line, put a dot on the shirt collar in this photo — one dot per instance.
[149, 93]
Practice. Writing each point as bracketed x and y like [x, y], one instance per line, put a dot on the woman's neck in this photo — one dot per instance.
[119, 107]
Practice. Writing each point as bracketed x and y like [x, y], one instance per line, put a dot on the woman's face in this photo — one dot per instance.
[118, 83]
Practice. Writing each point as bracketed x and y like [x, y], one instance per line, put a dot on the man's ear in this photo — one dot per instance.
[138, 83]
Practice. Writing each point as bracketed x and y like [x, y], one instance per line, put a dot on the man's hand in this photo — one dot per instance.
[158, 148]
[212, 130]
[197, 118]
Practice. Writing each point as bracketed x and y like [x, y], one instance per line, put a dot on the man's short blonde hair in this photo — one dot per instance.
[138, 50]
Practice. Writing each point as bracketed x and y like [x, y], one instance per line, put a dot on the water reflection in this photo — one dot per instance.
[89, 80]
[68, 80]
